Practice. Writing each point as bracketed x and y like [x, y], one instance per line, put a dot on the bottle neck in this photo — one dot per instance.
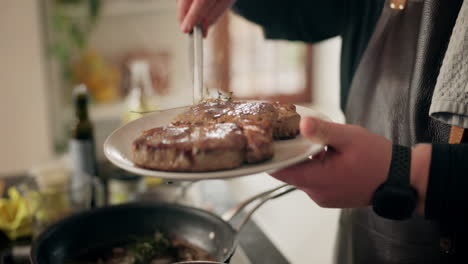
[81, 109]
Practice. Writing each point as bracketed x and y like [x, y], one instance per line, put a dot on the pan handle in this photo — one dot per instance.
[261, 198]
[231, 213]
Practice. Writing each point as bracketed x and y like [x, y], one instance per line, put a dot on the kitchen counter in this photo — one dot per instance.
[302, 231]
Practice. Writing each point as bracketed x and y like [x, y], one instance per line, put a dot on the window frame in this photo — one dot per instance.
[221, 36]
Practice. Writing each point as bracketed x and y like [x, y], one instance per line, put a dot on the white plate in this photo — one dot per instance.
[117, 149]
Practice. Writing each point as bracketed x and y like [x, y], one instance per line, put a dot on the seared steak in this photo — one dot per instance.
[259, 138]
[220, 111]
[287, 123]
[188, 147]
[283, 117]
[216, 135]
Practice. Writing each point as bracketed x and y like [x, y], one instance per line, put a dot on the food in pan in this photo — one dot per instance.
[156, 249]
[215, 135]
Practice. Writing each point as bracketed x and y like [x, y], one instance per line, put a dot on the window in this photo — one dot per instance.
[240, 60]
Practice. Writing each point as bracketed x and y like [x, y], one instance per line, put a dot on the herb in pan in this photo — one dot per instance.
[147, 249]
[222, 97]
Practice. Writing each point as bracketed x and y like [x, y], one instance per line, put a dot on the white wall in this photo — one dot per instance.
[24, 135]
[326, 77]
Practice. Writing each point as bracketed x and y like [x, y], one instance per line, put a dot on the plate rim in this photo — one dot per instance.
[220, 174]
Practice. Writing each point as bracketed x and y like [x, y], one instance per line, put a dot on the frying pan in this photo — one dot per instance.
[198, 262]
[89, 233]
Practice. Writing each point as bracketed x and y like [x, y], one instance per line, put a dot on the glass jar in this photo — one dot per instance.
[125, 188]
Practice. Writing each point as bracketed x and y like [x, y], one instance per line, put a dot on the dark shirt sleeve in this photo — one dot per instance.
[304, 20]
[447, 190]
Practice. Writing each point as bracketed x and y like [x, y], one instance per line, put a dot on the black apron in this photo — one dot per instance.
[390, 95]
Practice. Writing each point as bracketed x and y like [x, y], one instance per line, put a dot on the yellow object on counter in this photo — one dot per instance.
[15, 219]
[152, 181]
[48, 206]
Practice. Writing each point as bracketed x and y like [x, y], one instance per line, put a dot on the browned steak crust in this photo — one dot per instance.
[287, 124]
[259, 138]
[220, 111]
[283, 117]
[188, 147]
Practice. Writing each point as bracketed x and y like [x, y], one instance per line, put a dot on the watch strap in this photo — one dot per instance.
[396, 199]
[400, 166]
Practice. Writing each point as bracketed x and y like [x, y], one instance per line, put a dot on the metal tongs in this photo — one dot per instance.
[196, 63]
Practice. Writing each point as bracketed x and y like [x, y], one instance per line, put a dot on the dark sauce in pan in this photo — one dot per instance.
[175, 250]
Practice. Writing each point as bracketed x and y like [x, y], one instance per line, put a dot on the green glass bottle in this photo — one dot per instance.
[82, 148]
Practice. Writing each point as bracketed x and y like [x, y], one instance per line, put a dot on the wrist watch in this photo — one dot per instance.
[396, 199]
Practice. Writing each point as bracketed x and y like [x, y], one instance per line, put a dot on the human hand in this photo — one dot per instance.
[204, 12]
[355, 164]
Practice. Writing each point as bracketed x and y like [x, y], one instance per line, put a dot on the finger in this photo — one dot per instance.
[182, 9]
[310, 172]
[299, 174]
[206, 10]
[205, 31]
[193, 16]
[216, 12]
[327, 133]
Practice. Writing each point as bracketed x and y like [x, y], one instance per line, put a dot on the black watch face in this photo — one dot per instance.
[394, 202]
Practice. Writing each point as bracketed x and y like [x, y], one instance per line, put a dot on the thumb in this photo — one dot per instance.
[324, 132]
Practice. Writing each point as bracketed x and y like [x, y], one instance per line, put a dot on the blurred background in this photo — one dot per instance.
[48, 47]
